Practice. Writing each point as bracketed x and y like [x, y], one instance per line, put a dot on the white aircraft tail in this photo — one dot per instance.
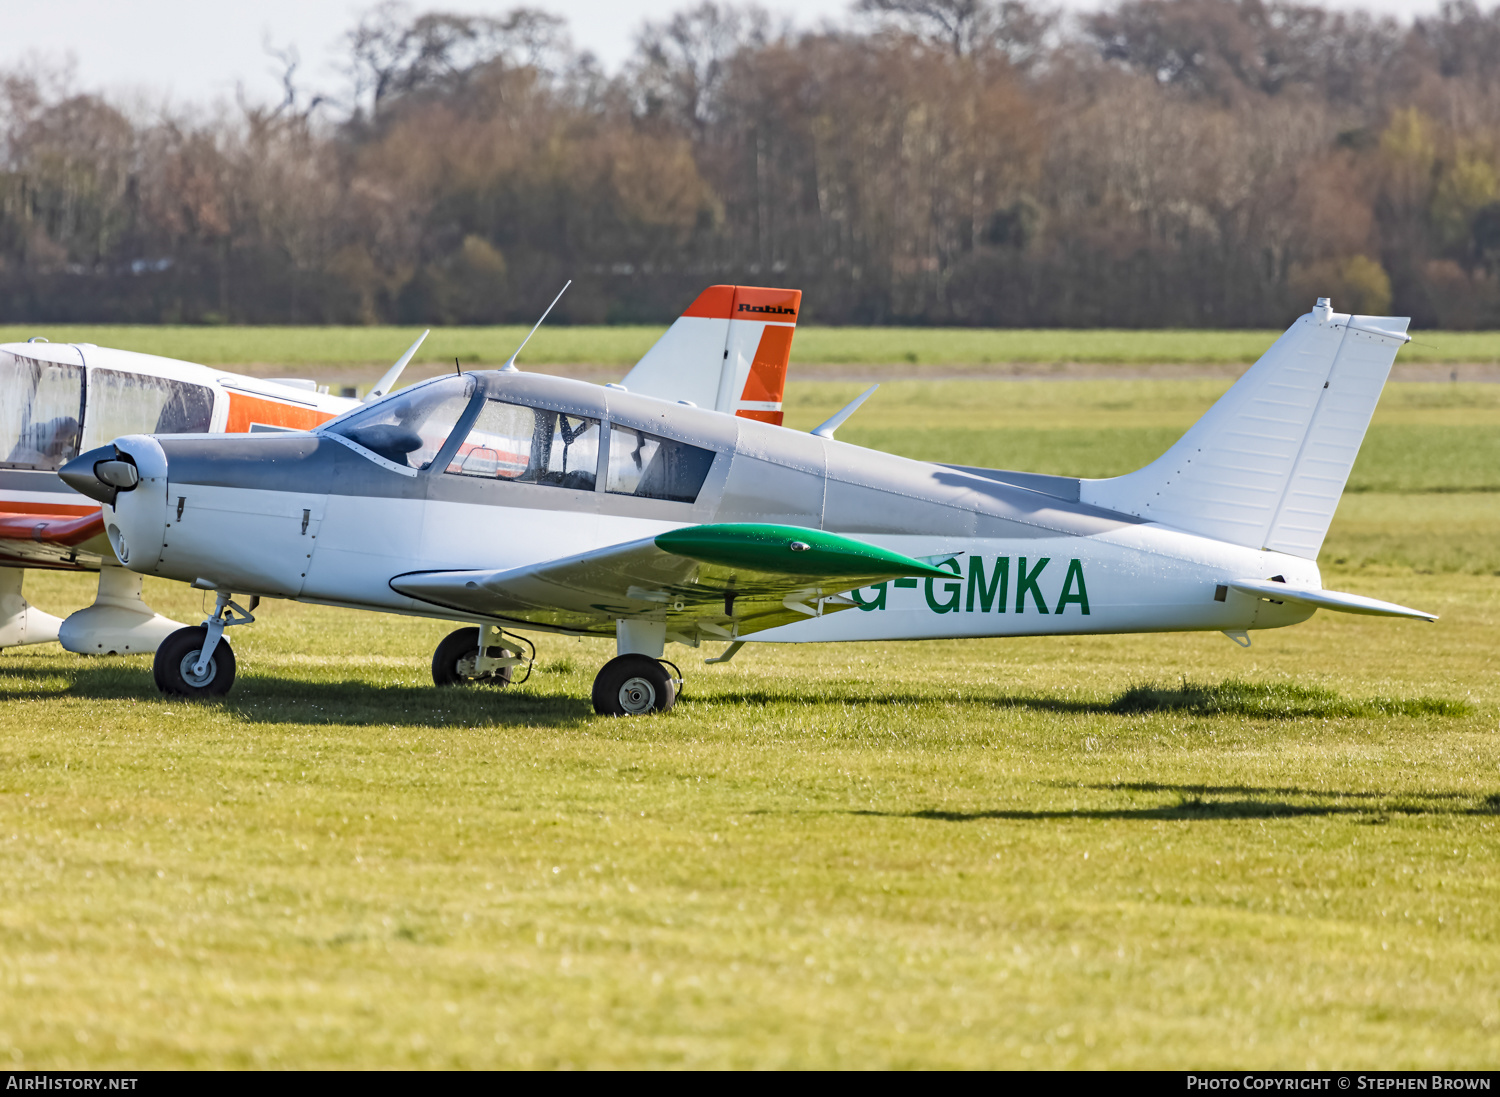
[1265, 467]
[728, 352]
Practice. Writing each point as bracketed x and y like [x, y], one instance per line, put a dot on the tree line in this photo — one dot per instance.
[971, 162]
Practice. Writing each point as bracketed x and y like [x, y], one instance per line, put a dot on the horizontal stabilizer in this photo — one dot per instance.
[392, 375]
[1327, 599]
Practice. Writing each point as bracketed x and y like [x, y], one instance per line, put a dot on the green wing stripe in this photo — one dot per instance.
[765, 547]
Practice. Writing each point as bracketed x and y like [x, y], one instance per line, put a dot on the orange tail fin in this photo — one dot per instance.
[728, 351]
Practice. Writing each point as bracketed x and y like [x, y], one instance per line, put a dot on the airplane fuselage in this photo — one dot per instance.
[316, 517]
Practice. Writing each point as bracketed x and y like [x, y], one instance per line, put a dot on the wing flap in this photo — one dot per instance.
[720, 581]
[1328, 599]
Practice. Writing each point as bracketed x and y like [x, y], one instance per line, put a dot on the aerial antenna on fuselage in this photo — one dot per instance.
[826, 429]
[392, 375]
[510, 363]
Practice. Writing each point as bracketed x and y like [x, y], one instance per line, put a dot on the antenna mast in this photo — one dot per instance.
[510, 364]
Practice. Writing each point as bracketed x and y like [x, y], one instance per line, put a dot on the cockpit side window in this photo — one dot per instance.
[140, 403]
[529, 445]
[651, 467]
[41, 406]
[409, 427]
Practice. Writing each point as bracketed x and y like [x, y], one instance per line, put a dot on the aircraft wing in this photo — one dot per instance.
[720, 581]
[43, 540]
[1328, 599]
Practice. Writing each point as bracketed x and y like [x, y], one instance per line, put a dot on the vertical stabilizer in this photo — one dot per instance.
[1266, 465]
[728, 351]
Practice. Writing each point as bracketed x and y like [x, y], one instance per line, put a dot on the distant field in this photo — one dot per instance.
[618, 346]
[1424, 438]
[1133, 851]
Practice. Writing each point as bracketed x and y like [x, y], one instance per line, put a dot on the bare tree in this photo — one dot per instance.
[681, 64]
[968, 27]
[393, 53]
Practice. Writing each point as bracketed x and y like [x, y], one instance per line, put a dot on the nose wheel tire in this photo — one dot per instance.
[453, 661]
[176, 663]
[633, 685]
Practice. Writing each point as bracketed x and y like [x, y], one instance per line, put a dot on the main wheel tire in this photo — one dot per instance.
[633, 685]
[460, 645]
[178, 655]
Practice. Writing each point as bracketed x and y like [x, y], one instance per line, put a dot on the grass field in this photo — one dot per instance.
[624, 345]
[1105, 851]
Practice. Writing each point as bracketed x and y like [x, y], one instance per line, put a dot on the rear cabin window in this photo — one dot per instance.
[41, 406]
[655, 468]
[409, 427]
[136, 403]
[527, 445]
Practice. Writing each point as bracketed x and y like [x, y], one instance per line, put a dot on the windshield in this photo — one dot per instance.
[409, 427]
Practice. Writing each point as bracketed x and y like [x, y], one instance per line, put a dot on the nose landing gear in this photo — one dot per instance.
[196, 661]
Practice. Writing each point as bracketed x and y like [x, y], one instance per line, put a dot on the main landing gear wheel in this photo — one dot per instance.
[453, 661]
[176, 664]
[633, 685]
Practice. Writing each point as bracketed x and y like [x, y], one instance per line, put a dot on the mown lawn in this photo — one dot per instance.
[624, 345]
[1105, 851]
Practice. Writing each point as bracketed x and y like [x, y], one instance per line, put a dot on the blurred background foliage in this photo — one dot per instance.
[1157, 163]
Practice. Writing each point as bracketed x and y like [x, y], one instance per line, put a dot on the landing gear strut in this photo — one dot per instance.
[197, 661]
[459, 659]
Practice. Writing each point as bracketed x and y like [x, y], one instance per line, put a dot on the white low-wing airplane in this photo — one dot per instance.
[59, 399]
[521, 502]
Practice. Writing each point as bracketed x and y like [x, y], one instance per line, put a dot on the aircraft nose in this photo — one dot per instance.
[101, 474]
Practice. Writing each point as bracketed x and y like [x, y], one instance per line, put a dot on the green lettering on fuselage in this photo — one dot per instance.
[952, 589]
[986, 588]
[999, 581]
[1080, 597]
[1025, 582]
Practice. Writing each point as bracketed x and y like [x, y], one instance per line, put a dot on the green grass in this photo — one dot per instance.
[624, 345]
[1154, 851]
